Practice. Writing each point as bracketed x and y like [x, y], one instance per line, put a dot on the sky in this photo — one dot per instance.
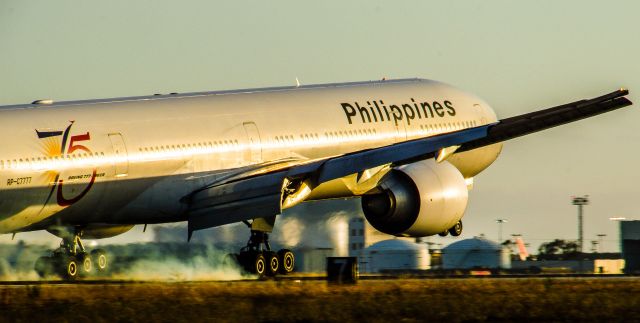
[518, 56]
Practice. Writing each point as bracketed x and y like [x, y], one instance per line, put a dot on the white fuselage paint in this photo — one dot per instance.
[129, 161]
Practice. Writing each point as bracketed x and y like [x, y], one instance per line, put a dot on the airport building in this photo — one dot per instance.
[594, 265]
[630, 245]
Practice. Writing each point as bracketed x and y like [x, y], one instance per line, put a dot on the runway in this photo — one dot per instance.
[305, 277]
[449, 299]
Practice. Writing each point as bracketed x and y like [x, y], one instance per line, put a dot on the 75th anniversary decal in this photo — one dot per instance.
[62, 144]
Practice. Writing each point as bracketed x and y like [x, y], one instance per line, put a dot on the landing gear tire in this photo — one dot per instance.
[44, 266]
[85, 263]
[443, 233]
[456, 230]
[69, 266]
[287, 261]
[259, 265]
[99, 258]
[273, 263]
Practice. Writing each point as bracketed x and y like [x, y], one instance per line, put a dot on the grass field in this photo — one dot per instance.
[452, 300]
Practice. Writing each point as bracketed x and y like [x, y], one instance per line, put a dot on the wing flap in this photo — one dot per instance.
[249, 198]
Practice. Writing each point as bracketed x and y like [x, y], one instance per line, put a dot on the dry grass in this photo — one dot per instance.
[452, 300]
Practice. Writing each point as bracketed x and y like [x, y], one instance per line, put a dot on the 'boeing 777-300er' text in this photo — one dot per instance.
[409, 148]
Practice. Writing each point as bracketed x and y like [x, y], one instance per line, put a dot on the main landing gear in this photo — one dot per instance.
[454, 231]
[71, 260]
[257, 257]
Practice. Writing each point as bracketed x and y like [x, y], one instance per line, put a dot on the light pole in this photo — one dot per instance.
[500, 222]
[594, 246]
[580, 201]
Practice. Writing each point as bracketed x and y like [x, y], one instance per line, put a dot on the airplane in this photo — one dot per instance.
[409, 148]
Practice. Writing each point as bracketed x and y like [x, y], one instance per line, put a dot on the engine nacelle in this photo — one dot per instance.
[417, 200]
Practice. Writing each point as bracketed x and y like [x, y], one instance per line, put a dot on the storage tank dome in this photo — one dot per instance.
[476, 243]
[395, 254]
[477, 252]
[396, 244]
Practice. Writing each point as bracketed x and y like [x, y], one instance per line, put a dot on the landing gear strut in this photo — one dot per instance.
[71, 260]
[258, 258]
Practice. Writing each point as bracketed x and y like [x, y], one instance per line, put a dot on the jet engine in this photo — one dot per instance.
[417, 200]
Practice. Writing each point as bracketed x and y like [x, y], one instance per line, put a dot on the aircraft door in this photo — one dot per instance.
[120, 156]
[254, 149]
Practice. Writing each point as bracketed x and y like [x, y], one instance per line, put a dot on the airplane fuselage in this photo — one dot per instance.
[131, 160]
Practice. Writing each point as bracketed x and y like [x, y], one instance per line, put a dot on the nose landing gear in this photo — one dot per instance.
[454, 231]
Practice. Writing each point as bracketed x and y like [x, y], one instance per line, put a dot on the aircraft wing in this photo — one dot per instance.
[262, 193]
[544, 119]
